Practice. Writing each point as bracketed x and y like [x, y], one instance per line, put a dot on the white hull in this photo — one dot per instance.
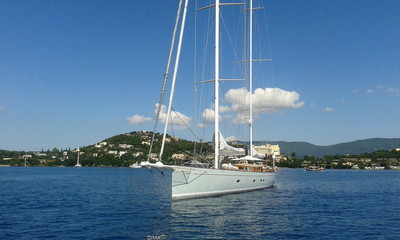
[188, 182]
[135, 165]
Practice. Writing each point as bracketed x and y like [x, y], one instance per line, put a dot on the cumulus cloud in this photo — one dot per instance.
[328, 109]
[264, 100]
[137, 119]
[176, 118]
[209, 115]
[241, 119]
[236, 104]
[224, 109]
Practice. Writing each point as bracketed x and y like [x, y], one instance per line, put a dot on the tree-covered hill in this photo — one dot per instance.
[119, 150]
[125, 149]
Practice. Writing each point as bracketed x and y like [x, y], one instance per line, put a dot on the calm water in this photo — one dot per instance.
[121, 203]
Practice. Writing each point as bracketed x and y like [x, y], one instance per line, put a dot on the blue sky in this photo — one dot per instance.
[73, 72]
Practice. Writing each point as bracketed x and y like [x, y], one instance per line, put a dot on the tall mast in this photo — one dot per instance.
[216, 104]
[177, 57]
[251, 78]
[171, 50]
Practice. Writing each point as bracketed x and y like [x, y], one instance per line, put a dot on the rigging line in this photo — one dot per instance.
[269, 46]
[202, 65]
[195, 74]
[203, 134]
[172, 123]
[231, 43]
[208, 31]
[203, 119]
[165, 79]
[200, 69]
[194, 134]
[158, 179]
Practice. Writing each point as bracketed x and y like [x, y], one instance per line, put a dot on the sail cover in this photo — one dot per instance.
[248, 158]
[227, 150]
[257, 154]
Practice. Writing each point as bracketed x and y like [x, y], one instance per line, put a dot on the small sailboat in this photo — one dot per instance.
[249, 173]
[78, 165]
[135, 165]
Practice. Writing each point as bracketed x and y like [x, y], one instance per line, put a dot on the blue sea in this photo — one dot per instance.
[123, 203]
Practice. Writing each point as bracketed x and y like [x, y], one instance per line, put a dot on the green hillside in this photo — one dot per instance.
[119, 150]
[125, 149]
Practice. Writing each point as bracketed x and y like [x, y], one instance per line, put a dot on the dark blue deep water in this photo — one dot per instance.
[122, 203]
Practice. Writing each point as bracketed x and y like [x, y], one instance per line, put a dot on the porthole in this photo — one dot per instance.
[238, 181]
[254, 180]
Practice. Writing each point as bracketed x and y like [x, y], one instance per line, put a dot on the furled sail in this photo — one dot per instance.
[257, 154]
[226, 150]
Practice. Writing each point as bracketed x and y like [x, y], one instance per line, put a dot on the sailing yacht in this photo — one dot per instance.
[78, 165]
[243, 174]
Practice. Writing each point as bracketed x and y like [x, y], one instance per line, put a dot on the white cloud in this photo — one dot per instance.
[328, 109]
[264, 100]
[2, 109]
[393, 91]
[176, 118]
[241, 119]
[209, 115]
[356, 91]
[369, 91]
[137, 119]
[224, 109]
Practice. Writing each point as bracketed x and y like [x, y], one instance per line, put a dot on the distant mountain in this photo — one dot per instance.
[356, 147]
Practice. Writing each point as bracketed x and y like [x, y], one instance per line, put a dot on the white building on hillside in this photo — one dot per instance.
[268, 149]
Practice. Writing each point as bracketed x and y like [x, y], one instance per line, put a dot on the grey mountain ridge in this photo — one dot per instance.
[355, 147]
